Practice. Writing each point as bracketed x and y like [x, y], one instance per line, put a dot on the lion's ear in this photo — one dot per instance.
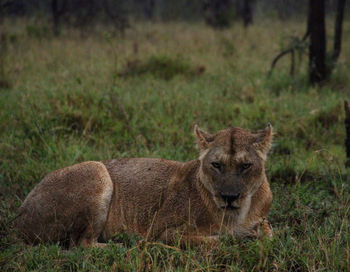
[263, 140]
[202, 138]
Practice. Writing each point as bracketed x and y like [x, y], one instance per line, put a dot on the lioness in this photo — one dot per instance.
[225, 190]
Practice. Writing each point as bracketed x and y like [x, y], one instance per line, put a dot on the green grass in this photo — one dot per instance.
[77, 98]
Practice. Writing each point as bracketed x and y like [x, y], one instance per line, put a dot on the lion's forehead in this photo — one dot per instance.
[234, 145]
[241, 155]
[234, 139]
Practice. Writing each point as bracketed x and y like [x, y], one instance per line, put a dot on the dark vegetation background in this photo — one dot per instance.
[94, 80]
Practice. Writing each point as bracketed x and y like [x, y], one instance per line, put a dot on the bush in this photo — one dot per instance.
[162, 67]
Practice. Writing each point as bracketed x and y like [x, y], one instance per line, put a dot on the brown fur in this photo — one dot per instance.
[157, 198]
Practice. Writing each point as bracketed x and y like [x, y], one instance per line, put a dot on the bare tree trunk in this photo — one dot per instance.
[247, 13]
[217, 13]
[149, 8]
[56, 14]
[338, 30]
[317, 49]
[4, 82]
[120, 20]
[347, 129]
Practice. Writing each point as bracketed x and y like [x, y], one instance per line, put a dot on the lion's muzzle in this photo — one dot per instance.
[229, 200]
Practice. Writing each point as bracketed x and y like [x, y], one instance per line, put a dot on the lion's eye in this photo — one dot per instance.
[216, 165]
[246, 166]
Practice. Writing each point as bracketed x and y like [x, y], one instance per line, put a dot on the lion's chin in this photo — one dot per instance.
[225, 206]
[230, 207]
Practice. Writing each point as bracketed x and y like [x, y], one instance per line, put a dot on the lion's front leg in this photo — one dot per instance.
[260, 206]
[174, 236]
[265, 228]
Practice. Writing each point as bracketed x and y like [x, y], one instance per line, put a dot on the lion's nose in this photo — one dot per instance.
[229, 198]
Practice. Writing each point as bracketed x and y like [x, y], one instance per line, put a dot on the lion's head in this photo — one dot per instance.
[232, 164]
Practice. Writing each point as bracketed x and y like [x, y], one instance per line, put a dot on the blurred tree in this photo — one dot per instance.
[317, 48]
[4, 81]
[4, 6]
[13, 7]
[149, 6]
[116, 12]
[217, 13]
[338, 30]
[287, 8]
[83, 13]
[57, 9]
[247, 12]
[347, 130]
[321, 65]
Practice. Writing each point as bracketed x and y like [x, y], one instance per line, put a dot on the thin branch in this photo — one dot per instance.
[275, 60]
[306, 35]
[288, 51]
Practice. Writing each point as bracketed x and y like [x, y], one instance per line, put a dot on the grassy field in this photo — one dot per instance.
[100, 96]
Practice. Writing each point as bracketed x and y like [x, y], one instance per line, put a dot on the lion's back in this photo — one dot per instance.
[141, 175]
